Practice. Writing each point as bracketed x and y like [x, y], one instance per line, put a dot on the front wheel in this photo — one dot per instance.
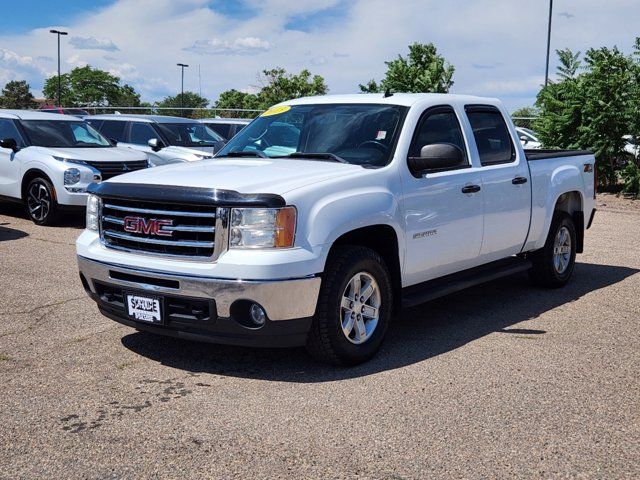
[553, 264]
[354, 308]
[40, 202]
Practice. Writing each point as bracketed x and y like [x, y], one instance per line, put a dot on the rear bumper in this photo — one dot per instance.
[289, 304]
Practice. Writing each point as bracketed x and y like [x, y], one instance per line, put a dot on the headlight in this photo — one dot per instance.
[93, 208]
[262, 227]
[71, 176]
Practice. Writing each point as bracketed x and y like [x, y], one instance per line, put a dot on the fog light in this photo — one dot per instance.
[257, 314]
[71, 176]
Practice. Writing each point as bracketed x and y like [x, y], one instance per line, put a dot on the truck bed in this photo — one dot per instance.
[541, 154]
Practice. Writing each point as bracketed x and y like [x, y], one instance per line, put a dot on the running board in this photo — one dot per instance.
[439, 287]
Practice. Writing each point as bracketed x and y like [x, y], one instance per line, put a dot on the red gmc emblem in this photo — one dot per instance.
[152, 226]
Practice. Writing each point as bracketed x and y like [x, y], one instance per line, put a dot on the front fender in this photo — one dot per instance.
[338, 213]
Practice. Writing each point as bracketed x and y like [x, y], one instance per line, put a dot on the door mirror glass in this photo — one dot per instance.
[437, 156]
[156, 144]
[9, 143]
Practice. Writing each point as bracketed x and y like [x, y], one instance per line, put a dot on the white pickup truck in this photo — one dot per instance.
[325, 215]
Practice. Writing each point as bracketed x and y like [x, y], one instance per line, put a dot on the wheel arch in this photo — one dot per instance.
[383, 239]
[572, 203]
[30, 175]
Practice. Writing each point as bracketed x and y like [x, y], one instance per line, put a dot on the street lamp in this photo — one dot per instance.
[546, 71]
[182, 67]
[58, 32]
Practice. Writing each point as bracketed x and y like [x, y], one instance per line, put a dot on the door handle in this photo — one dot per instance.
[519, 180]
[471, 189]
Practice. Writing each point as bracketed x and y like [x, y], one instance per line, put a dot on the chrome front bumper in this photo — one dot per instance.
[282, 299]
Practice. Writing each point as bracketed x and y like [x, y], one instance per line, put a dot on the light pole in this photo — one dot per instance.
[58, 32]
[182, 67]
[546, 71]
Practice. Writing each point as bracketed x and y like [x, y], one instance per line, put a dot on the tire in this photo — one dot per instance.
[550, 270]
[40, 202]
[327, 341]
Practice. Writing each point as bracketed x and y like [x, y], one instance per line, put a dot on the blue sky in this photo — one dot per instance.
[496, 46]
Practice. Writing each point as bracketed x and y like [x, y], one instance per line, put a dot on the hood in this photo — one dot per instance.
[106, 154]
[243, 175]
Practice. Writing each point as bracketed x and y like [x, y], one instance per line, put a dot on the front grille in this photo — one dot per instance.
[185, 231]
[111, 169]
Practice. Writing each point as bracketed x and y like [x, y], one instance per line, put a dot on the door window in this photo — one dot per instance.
[491, 135]
[113, 129]
[9, 130]
[141, 133]
[439, 125]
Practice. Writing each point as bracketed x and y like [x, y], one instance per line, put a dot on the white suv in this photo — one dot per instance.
[165, 139]
[48, 160]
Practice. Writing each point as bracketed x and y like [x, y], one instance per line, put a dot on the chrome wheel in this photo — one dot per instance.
[360, 308]
[562, 250]
[38, 201]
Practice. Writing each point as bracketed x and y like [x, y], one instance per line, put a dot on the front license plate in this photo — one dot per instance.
[144, 309]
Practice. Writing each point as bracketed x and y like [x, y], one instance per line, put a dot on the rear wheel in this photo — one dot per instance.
[354, 308]
[40, 201]
[553, 264]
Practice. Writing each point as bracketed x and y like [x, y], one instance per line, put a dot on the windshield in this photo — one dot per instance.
[57, 133]
[360, 134]
[189, 134]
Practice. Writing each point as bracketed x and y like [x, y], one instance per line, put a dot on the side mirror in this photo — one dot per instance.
[437, 156]
[156, 144]
[113, 142]
[524, 139]
[9, 143]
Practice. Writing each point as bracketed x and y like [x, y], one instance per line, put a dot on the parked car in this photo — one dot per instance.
[528, 138]
[47, 161]
[631, 145]
[165, 139]
[379, 203]
[77, 112]
[226, 127]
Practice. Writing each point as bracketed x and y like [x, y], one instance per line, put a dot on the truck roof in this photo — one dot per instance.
[143, 118]
[404, 99]
[36, 115]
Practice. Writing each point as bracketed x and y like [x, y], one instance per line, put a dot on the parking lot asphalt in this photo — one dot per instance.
[502, 380]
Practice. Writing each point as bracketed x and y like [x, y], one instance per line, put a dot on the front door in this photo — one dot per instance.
[9, 160]
[443, 210]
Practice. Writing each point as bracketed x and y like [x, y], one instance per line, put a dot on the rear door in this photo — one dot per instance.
[443, 209]
[506, 184]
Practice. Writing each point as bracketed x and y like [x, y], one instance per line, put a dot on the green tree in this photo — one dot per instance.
[423, 70]
[16, 94]
[187, 100]
[85, 86]
[277, 86]
[592, 109]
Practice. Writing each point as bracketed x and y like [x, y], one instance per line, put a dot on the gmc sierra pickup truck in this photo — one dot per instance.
[327, 214]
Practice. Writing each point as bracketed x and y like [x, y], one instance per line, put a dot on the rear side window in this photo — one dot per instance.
[220, 129]
[491, 135]
[141, 133]
[114, 130]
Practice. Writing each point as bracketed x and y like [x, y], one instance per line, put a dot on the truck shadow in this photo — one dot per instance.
[416, 335]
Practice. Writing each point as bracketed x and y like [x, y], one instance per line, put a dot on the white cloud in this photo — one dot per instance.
[240, 46]
[93, 43]
[497, 47]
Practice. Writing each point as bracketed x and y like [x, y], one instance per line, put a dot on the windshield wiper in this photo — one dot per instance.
[331, 157]
[248, 153]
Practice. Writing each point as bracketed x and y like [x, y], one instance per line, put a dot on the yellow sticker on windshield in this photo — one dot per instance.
[276, 110]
